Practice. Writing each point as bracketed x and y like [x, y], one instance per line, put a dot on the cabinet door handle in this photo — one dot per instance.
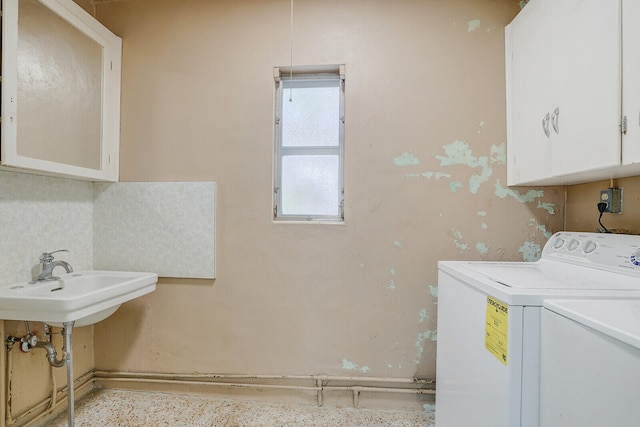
[545, 125]
[554, 120]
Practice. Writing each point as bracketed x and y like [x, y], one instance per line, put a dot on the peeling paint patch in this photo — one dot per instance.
[428, 407]
[541, 227]
[392, 284]
[484, 225]
[499, 153]
[457, 240]
[481, 248]
[406, 159]
[528, 197]
[454, 185]
[480, 126]
[423, 315]
[397, 244]
[433, 290]
[473, 25]
[459, 153]
[476, 180]
[422, 338]
[347, 364]
[481, 213]
[429, 175]
[549, 207]
[530, 251]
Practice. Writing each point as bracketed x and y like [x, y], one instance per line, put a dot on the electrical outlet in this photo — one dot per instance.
[613, 198]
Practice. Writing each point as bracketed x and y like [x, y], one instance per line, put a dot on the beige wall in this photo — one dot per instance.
[424, 181]
[582, 212]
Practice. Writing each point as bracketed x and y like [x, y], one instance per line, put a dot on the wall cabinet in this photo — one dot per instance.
[565, 70]
[60, 91]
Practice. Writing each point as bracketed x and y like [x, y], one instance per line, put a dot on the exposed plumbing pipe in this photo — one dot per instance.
[83, 381]
[27, 343]
[266, 377]
[54, 381]
[51, 354]
[8, 419]
[320, 387]
[3, 380]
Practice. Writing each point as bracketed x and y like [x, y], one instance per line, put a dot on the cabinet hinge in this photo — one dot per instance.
[623, 125]
[275, 204]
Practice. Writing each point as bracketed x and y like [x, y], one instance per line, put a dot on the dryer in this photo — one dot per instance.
[590, 363]
[488, 350]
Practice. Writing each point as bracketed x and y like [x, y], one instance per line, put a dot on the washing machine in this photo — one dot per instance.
[590, 363]
[489, 323]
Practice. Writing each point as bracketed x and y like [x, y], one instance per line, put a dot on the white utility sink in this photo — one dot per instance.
[84, 297]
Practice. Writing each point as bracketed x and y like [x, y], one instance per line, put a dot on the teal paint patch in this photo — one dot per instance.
[459, 153]
[528, 197]
[406, 159]
[392, 284]
[481, 213]
[475, 181]
[397, 244]
[428, 407]
[420, 341]
[549, 207]
[530, 251]
[454, 185]
[347, 364]
[457, 240]
[423, 315]
[480, 126]
[481, 248]
[541, 227]
[429, 175]
[433, 290]
[473, 25]
[484, 225]
[499, 153]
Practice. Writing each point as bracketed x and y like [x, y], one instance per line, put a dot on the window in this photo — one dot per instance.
[308, 182]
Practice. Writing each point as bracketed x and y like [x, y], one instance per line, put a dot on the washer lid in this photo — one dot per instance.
[619, 319]
[549, 275]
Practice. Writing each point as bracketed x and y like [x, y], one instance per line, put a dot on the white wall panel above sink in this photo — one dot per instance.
[164, 227]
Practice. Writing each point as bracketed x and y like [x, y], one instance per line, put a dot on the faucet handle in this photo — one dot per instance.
[48, 256]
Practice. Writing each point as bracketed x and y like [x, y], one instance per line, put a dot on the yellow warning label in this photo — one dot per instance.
[497, 327]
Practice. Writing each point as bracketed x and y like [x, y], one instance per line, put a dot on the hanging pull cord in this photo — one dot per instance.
[291, 53]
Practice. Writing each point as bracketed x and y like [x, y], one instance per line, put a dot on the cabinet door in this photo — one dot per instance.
[631, 81]
[60, 98]
[528, 89]
[586, 69]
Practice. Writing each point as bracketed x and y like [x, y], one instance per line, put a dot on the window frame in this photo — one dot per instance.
[306, 77]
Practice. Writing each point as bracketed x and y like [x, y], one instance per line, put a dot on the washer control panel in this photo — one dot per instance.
[617, 252]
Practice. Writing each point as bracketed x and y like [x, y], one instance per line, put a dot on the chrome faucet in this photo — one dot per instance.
[47, 264]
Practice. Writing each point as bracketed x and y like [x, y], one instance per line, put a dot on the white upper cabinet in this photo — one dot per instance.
[565, 91]
[528, 40]
[60, 91]
[631, 82]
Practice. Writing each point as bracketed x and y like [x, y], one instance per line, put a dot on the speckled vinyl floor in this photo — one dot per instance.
[112, 408]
